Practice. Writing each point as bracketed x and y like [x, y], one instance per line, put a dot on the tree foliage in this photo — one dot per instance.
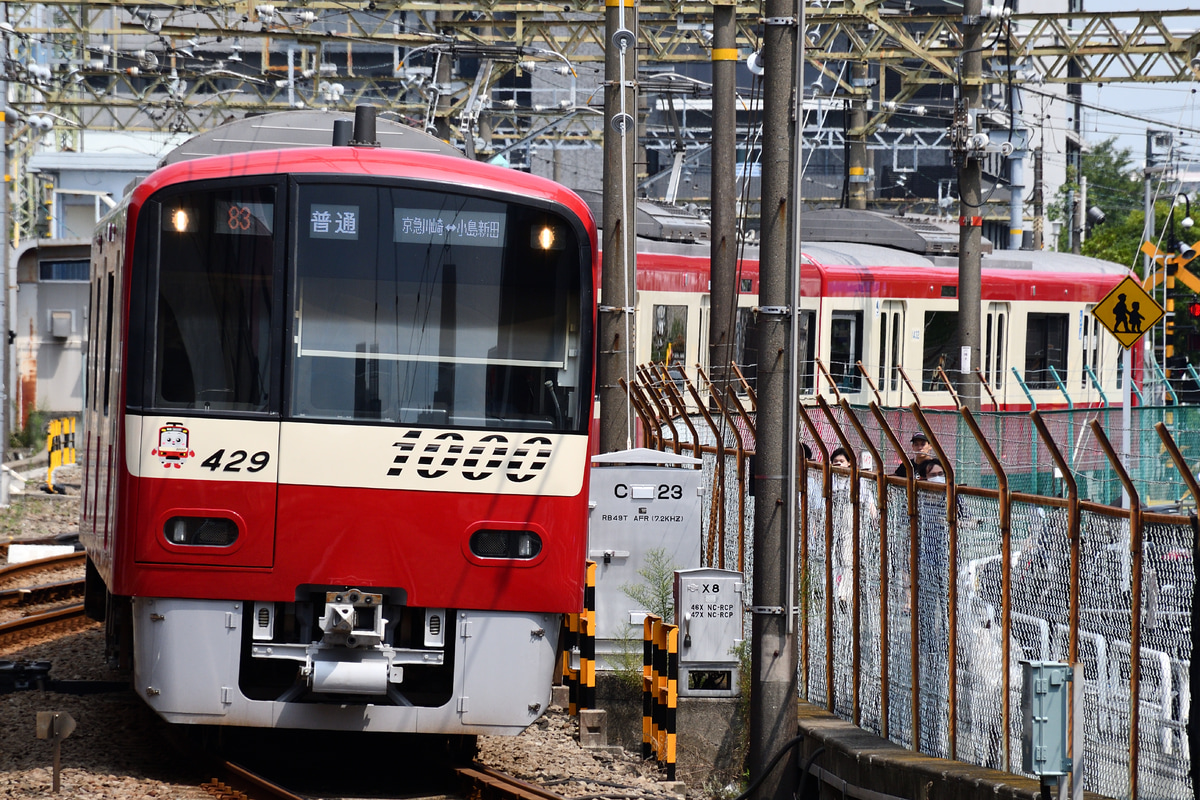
[1113, 185]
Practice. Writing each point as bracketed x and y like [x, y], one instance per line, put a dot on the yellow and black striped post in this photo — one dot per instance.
[648, 680]
[670, 700]
[660, 691]
[570, 675]
[60, 444]
[587, 642]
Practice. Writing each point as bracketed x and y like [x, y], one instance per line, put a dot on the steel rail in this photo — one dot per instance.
[42, 563]
[55, 618]
[238, 783]
[484, 783]
[37, 595]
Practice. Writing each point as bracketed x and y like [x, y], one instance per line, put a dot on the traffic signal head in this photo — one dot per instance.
[1194, 309]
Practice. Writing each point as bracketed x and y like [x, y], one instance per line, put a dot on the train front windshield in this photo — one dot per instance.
[407, 306]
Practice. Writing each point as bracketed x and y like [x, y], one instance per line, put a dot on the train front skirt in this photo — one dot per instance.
[199, 662]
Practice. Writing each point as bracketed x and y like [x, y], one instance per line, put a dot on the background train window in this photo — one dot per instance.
[845, 349]
[1045, 347]
[214, 327]
[941, 348]
[1092, 337]
[436, 309]
[668, 339]
[746, 347]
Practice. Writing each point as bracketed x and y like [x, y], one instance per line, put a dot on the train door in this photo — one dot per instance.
[888, 356]
[1091, 339]
[845, 350]
[995, 347]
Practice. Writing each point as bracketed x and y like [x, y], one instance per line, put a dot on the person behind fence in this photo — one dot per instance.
[921, 451]
[933, 592]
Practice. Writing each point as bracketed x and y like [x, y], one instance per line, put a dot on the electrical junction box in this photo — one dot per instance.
[642, 501]
[1045, 700]
[708, 611]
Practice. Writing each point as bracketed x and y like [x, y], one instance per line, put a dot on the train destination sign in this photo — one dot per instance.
[1128, 312]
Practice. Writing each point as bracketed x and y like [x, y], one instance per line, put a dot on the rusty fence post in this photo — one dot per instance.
[716, 508]
[855, 652]
[655, 394]
[1185, 472]
[826, 486]
[952, 581]
[881, 500]
[910, 483]
[633, 392]
[1073, 522]
[1135, 601]
[1005, 499]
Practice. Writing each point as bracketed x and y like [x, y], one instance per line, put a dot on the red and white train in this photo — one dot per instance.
[337, 432]
[880, 291]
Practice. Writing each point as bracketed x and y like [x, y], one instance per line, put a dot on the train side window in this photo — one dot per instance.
[891, 321]
[1045, 347]
[1091, 348]
[108, 339]
[668, 340]
[214, 330]
[845, 349]
[93, 367]
[995, 345]
[941, 348]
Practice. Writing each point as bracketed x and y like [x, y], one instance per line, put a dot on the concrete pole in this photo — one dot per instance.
[1016, 202]
[5, 266]
[1039, 221]
[619, 242]
[441, 82]
[773, 694]
[1016, 175]
[723, 249]
[970, 233]
[1080, 220]
[857, 173]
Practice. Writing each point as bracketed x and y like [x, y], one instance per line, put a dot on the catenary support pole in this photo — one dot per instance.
[773, 694]
[970, 232]
[616, 317]
[723, 248]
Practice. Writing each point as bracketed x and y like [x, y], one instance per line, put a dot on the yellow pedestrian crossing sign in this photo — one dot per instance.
[1128, 312]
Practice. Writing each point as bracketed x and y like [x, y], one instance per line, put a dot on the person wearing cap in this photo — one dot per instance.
[921, 451]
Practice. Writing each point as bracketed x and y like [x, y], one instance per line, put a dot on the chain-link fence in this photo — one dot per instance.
[919, 600]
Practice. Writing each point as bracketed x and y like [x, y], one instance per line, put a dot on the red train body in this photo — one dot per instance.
[337, 436]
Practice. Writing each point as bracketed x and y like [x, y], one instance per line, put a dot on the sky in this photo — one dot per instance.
[1167, 106]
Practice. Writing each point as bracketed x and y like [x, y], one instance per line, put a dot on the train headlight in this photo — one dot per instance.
[505, 544]
[201, 531]
[180, 221]
[546, 237]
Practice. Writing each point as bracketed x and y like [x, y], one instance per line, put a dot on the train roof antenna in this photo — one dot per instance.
[364, 127]
[342, 132]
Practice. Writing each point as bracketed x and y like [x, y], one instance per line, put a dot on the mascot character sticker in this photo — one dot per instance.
[172, 447]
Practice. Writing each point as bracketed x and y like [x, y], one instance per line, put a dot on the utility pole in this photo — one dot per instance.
[1038, 219]
[5, 265]
[858, 176]
[970, 220]
[774, 656]
[619, 243]
[723, 248]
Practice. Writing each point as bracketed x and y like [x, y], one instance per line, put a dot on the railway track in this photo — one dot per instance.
[474, 782]
[57, 619]
[38, 565]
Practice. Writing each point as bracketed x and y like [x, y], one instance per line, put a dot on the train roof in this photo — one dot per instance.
[301, 128]
[853, 226]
